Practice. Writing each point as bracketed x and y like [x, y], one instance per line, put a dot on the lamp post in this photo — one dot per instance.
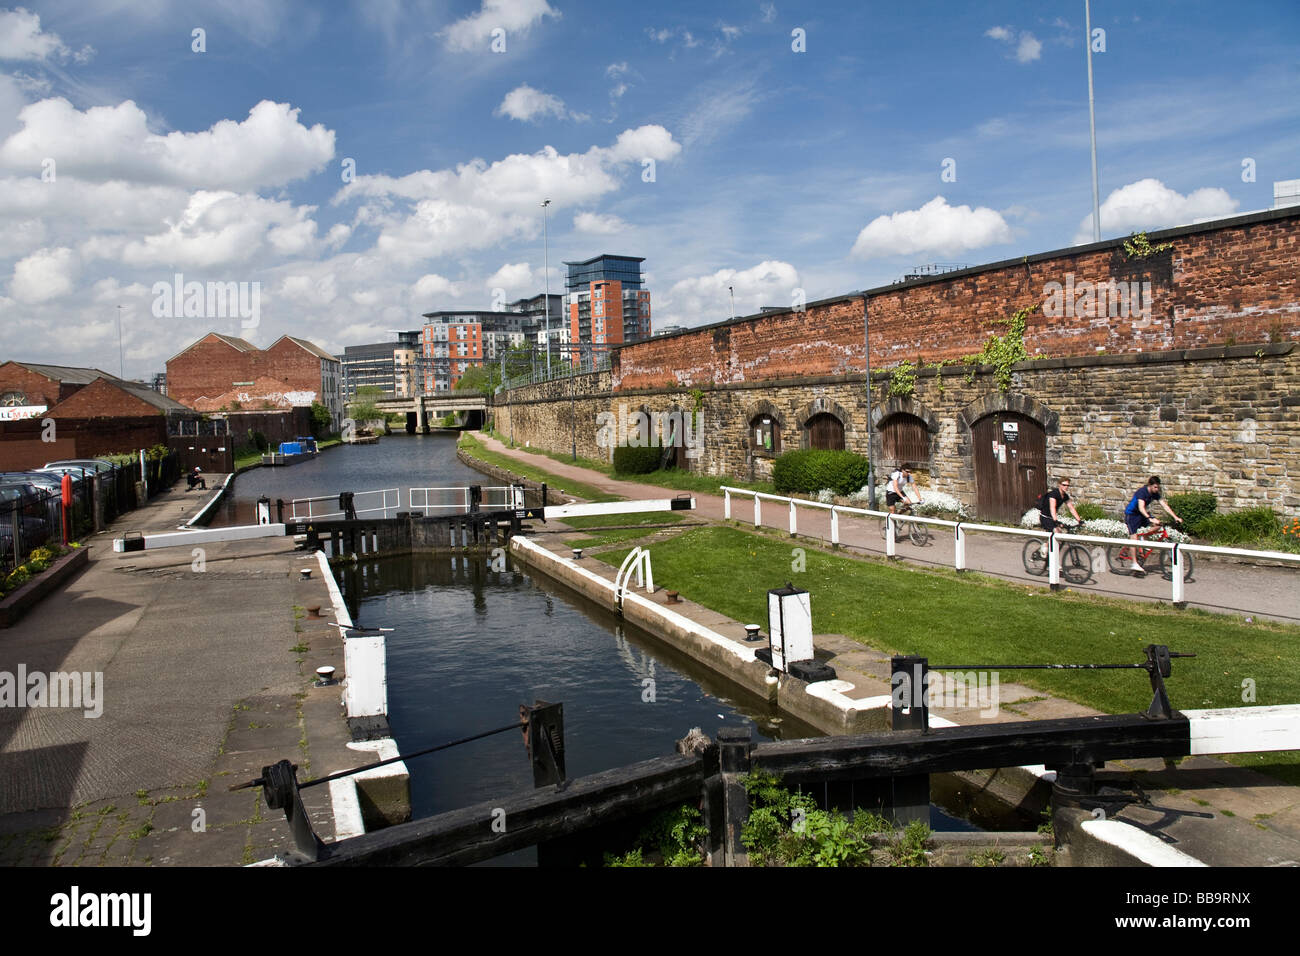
[121, 361]
[1092, 121]
[871, 451]
[732, 290]
[546, 275]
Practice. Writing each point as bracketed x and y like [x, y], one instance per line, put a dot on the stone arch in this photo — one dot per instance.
[764, 407]
[906, 406]
[824, 406]
[1009, 402]
[750, 414]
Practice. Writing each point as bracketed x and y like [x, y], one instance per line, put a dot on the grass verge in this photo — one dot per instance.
[531, 472]
[974, 620]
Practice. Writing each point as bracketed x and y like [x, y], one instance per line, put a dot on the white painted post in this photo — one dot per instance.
[890, 549]
[758, 513]
[959, 549]
[726, 504]
[1054, 562]
[793, 526]
[1178, 596]
[649, 575]
[835, 526]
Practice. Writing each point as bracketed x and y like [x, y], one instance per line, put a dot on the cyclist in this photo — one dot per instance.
[900, 482]
[1138, 515]
[1049, 506]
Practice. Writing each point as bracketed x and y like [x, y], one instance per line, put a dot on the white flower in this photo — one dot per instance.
[826, 496]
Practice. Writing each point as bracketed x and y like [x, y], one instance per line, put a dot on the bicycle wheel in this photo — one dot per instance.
[1120, 558]
[1167, 564]
[1076, 564]
[1035, 561]
[919, 534]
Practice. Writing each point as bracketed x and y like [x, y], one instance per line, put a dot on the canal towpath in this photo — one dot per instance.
[1219, 586]
[207, 663]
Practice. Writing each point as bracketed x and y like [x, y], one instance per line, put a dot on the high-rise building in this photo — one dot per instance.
[388, 366]
[607, 304]
[453, 341]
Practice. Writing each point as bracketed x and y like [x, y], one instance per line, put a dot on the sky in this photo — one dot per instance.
[349, 166]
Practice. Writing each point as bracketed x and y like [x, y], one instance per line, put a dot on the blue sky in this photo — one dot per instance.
[363, 163]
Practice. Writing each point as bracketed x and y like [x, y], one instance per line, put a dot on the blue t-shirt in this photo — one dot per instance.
[1142, 494]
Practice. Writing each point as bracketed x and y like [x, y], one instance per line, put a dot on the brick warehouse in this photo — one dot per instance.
[221, 371]
[1196, 378]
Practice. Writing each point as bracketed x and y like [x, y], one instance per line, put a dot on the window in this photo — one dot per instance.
[767, 434]
[905, 438]
[13, 399]
[825, 431]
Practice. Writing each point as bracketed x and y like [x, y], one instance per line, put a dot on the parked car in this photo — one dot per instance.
[45, 480]
[93, 465]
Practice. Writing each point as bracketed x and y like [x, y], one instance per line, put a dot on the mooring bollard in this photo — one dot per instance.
[735, 745]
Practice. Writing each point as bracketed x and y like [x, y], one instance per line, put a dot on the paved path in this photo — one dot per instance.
[206, 678]
[1216, 585]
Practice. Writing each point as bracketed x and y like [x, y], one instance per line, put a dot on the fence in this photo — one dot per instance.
[559, 370]
[428, 501]
[372, 503]
[962, 528]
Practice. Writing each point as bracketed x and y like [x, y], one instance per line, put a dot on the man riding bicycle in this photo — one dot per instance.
[900, 483]
[1138, 515]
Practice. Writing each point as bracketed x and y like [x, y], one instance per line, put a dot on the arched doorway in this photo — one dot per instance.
[825, 431]
[1010, 452]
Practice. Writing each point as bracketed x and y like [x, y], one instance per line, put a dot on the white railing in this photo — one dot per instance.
[960, 529]
[364, 503]
[503, 496]
[454, 500]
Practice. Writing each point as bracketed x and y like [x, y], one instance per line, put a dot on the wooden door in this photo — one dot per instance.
[1010, 465]
[825, 431]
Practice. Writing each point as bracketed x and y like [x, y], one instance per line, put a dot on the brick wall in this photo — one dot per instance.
[1218, 285]
[38, 389]
[210, 367]
[102, 399]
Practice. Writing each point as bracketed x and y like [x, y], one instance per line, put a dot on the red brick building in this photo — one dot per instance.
[222, 372]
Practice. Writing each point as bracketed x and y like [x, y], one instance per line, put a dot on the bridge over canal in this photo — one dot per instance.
[469, 406]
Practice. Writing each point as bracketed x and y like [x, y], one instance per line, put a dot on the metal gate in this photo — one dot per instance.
[1010, 464]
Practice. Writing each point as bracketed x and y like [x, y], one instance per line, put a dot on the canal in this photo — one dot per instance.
[470, 644]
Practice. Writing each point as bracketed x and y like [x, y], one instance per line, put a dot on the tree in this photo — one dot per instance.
[479, 378]
[362, 408]
[320, 419]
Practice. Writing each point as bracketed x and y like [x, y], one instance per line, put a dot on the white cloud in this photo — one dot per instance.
[433, 285]
[45, 274]
[1149, 204]
[769, 12]
[479, 204]
[515, 276]
[935, 227]
[513, 16]
[1028, 47]
[527, 105]
[269, 148]
[21, 38]
[707, 298]
[597, 224]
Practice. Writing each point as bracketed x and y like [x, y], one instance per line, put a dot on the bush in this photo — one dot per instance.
[811, 470]
[1090, 512]
[1194, 507]
[637, 461]
[1239, 527]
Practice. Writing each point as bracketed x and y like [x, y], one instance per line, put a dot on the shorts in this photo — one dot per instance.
[1136, 522]
[892, 499]
[1046, 521]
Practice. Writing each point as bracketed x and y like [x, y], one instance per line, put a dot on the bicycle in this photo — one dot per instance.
[1120, 556]
[1076, 562]
[918, 532]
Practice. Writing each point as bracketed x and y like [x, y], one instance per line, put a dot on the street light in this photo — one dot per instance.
[546, 274]
[121, 362]
[1092, 121]
[871, 451]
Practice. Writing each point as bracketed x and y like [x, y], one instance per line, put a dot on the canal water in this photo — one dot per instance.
[470, 644]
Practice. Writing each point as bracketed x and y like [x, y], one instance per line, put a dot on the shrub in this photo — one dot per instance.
[810, 470]
[637, 461]
[1194, 507]
[1239, 527]
[1090, 512]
